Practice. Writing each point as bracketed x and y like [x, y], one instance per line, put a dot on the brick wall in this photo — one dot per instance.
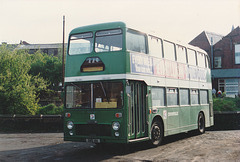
[226, 49]
[202, 42]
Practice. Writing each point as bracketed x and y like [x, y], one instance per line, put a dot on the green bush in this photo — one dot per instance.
[18, 89]
[50, 109]
[238, 102]
[226, 104]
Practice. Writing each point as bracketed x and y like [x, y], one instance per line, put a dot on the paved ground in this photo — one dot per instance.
[211, 146]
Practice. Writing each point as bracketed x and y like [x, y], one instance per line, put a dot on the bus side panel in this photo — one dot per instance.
[173, 120]
[195, 109]
[185, 118]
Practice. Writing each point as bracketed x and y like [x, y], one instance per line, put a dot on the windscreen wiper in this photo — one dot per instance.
[75, 86]
[104, 91]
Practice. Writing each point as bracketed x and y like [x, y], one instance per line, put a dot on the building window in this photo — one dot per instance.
[237, 54]
[217, 62]
[221, 85]
[229, 86]
[232, 87]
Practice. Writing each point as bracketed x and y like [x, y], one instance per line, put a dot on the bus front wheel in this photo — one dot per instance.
[156, 133]
[201, 123]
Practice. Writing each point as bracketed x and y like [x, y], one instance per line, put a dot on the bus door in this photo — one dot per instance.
[137, 110]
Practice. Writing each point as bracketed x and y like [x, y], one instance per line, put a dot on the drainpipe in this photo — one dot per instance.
[63, 49]
[211, 53]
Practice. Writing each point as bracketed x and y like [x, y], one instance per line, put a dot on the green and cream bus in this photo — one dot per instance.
[124, 86]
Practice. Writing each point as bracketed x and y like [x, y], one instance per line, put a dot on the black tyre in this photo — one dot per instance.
[201, 123]
[156, 133]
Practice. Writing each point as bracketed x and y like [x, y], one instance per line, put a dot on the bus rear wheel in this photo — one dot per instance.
[156, 133]
[201, 123]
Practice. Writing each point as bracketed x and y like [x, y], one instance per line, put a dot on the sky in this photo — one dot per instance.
[40, 21]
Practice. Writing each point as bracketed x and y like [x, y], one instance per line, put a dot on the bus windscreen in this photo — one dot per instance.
[81, 43]
[108, 40]
[94, 95]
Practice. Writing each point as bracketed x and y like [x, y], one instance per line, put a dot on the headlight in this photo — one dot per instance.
[117, 134]
[116, 126]
[70, 125]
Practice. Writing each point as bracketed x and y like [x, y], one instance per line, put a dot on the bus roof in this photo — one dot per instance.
[103, 26]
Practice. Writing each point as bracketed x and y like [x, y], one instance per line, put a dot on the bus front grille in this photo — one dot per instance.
[93, 129]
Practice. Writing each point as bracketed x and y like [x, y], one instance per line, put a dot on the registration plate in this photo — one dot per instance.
[93, 140]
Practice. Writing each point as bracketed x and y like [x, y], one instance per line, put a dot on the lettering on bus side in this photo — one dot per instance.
[202, 73]
[144, 64]
[172, 113]
[141, 64]
[159, 67]
[193, 72]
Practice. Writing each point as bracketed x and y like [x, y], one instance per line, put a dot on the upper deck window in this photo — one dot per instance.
[136, 41]
[181, 54]
[201, 59]
[191, 57]
[155, 46]
[169, 50]
[207, 61]
[108, 40]
[81, 43]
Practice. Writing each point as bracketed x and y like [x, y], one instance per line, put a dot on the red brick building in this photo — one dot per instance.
[225, 59]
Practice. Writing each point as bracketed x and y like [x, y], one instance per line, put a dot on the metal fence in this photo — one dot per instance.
[226, 120]
[36, 123]
[54, 123]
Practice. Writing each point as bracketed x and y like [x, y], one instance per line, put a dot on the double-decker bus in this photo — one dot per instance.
[124, 86]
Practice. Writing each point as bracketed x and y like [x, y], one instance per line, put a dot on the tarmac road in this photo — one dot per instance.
[211, 146]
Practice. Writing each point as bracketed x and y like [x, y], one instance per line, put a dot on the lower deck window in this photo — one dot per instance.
[194, 97]
[158, 96]
[184, 96]
[203, 97]
[94, 95]
[172, 96]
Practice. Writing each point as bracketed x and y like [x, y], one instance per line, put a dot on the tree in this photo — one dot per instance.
[48, 67]
[18, 89]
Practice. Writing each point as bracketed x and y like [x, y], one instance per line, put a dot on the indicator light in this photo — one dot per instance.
[68, 115]
[118, 115]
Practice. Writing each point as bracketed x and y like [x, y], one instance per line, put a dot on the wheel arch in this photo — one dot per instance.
[159, 119]
[201, 122]
[203, 115]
